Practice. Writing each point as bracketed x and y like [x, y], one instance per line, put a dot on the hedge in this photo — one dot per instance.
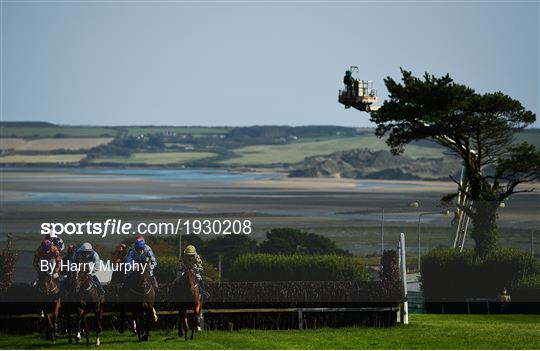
[449, 274]
[7, 265]
[268, 267]
[527, 289]
[166, 270]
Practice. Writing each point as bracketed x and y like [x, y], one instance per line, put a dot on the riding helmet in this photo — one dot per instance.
[190, 250]
[46, 245]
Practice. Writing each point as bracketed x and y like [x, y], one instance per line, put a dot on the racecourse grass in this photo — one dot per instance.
[423, 332]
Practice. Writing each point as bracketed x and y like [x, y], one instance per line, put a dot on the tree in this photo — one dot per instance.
[292, 241]
[229, 247]
[480, 129]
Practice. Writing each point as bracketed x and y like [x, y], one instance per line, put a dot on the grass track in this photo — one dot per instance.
[423, 332]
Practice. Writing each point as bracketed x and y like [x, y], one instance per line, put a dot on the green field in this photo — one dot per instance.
[54, 158]
[297, 151]
[530, 136]
[423, 332]
[156, 158]
[195, 131]
[25, 132]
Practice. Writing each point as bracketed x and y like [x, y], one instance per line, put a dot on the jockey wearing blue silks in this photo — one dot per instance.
[142, 253]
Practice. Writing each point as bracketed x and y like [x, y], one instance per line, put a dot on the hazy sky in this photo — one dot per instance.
[234, 63]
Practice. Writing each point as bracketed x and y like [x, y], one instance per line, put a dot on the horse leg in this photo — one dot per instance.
[122, 317]
[99, 317]
[86, 331]
[80, 313]
[56, 312]
[147, 317]
[193, 321]
[180, 321]
[49, 325]
[67, 316]
[138, 325]
[198, 315]
[186, 325]
[183, 326]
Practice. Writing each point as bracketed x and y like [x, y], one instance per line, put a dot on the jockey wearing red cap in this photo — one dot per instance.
[119, 254]
[47, 251]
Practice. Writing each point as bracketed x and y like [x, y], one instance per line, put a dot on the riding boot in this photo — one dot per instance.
[99, 286]
[202, 288]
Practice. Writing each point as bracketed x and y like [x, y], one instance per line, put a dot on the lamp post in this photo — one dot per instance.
[382, 231]
[443, 212]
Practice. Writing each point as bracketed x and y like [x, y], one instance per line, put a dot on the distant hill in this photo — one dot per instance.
[365, 163]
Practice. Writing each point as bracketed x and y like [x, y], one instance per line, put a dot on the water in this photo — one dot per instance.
[160, 174]
[76, 188]
[373, 184]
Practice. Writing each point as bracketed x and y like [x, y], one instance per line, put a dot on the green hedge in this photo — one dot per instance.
[268, 267]
[449, 274]
[166, 271]
[527, 289]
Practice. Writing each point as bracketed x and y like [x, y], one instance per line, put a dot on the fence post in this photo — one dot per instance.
[300, 319]
[403, 260]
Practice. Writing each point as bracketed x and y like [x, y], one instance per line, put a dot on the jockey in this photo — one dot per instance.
[192, 260]
[139, 253]
[119, 254]
[86, 254]
[70, 256]
[47, 251]
[57, 241]
[66, 274]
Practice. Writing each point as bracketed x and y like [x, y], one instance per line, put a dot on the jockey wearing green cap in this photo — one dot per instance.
[191, 260]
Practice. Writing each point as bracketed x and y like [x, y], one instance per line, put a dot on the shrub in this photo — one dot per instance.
[390, 269]
[267, 267]
[291, 241]
[229, 247]
[504, 267]
[7, 265]
[526, 289]
[449, 274]
[166, 270]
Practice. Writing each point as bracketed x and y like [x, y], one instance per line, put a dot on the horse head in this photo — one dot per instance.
[47, 284]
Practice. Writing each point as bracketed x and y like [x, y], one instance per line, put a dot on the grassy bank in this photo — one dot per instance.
[155, 158]
[54, 158]
[423, 332]
[297, 151]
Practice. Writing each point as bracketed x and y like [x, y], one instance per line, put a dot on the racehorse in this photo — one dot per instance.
[49, 291]
[186, 291]
[85, 298]
[140, 296]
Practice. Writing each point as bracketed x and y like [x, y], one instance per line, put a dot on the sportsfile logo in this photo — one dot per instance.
[121, 227]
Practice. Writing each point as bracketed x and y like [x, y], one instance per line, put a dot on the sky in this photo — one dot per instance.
[249, 63]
